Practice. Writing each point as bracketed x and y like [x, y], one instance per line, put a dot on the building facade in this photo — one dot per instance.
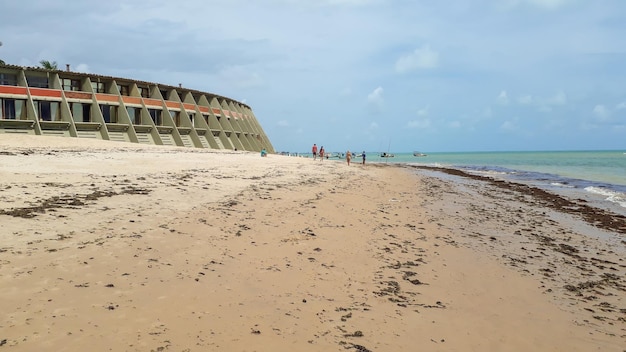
[63, 103]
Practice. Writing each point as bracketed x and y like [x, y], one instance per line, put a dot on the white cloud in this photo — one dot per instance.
[601, 113]
[373, 126]
[508, 126]
[423, 112]
[543, 4]
[375, 98]
[503, 98]
[421, 58]
[283, 123]
[454, 124]
[525, 100]
[420, 123]
[547, 104]
[621, 106]
[560, 98]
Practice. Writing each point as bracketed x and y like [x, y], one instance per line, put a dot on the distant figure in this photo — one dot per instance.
[363, 155]
[322, 153]
[263, 152]
[348, 157]
[314, 151]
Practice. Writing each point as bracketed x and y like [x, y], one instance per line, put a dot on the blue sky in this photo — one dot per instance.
[458, 75]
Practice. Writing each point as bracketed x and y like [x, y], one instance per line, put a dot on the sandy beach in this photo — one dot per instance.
[108, 246]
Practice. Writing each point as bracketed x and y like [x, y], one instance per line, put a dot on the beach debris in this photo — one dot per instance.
[357, 333]
[359, 348]
[307, 231]
[68, 202]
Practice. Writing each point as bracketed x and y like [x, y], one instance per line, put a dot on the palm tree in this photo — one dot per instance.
[52, 66]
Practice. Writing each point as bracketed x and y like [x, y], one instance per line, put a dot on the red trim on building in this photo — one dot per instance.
[43, 92]
[172, 104]
[152, 102]
[131, 100]
[74, 95]
[106, 97]
[13, 90]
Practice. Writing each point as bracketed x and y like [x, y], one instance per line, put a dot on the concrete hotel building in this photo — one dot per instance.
[63, 103]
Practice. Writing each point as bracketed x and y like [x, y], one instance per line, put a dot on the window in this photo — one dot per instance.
[164, 94]
[8, 79]
[192, 116]
[109, 112]
[176, 117]
[155, 115]
[13, 109]
[70, 84]
[144, 92]
[98, 87]
[81, 112]
[106, 113]
[134, 114]
[124, 90]
[48, 110]
[37, 81]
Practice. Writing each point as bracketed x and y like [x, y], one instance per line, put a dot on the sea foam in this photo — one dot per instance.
[611, 196]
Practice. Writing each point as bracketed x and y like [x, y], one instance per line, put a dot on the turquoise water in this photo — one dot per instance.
[596, 176]
[599, 166]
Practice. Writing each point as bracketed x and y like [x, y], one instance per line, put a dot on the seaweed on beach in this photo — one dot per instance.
[68, 202]
[600, 218]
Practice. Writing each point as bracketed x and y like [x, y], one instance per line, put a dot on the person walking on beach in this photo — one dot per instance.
[363, 155]
[314, 151]
[322, 153]
[348, 157]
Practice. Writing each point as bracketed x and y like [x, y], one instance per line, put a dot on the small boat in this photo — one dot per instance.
[386, 155]
[419, 154]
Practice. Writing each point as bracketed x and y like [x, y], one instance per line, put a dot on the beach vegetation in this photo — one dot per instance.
[49, 65]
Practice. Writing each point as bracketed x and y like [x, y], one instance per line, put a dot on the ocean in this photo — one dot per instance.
[599, 177]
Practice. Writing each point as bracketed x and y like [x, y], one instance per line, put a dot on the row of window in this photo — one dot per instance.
[14, 109]
[69, 84]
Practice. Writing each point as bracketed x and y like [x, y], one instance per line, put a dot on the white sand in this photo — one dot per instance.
[108, 246]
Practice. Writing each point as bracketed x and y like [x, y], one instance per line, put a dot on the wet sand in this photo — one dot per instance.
[108, 246]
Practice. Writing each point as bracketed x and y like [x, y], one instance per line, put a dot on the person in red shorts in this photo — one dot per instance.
[314, 151]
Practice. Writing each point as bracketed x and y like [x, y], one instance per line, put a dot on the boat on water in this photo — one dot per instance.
[386, 155]
[419, 154]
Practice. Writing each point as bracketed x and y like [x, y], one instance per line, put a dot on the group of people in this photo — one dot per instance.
[315, 153]
[322, 153]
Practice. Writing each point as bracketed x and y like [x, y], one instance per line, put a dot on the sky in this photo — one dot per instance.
[374, 75]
